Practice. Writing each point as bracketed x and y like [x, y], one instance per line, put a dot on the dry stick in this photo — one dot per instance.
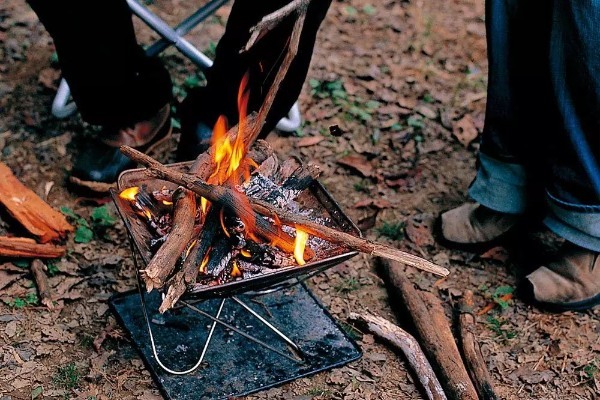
[354, 242]
[221, 195]
[29, 248]
[41, 280]
[408, 345]
[473, 357]
[225, 197]
[163, 262]
[433, 329]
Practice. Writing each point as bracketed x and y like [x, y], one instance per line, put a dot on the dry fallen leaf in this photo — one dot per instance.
[497, 253]
[376, 203]
[309, 141]
[359, 164]
[419, 230]
[465, 131]
[368, 222]
[48, 78]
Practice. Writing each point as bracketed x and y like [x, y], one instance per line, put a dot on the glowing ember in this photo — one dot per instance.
[299, 245]
[245, 253]
[129, 193]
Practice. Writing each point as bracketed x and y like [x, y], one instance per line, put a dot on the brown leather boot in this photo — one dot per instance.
[571, 282]
[475, 224]
[98, 166]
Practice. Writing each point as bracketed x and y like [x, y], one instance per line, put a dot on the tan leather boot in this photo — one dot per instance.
[571, 282]
[99, 164]
[473, 223]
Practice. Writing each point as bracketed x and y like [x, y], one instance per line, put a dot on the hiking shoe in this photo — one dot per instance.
[475, 224]
[98, 166]
[571, 282]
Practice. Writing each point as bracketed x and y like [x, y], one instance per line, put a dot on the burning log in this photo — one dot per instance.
[29, 248]
[163, 262]
[471, 350]
[434, 330]
[225, 197]
[30, 210]
[41, 280]
[408, 345]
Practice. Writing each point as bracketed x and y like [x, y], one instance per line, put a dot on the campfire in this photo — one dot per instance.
[246, 217]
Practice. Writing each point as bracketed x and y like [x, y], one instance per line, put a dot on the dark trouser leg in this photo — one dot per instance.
[518, 114]
[111, 80]
[574, 189]
[262, 63]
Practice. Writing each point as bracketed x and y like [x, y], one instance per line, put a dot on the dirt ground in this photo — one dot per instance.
[406, 83]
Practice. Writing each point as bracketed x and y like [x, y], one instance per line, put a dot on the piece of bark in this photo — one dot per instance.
[30, 210]
[270, 21]
[408, 345]
[434, 330]
[163, 262]
[41, 280]
[29, 248]
[472, 352]
[292, 49]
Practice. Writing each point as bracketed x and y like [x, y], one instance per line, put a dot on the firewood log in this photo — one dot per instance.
[473, 358]
[434, 330]
[30, 210]
[29, 248]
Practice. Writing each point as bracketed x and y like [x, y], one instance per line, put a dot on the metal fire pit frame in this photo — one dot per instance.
[289, 349]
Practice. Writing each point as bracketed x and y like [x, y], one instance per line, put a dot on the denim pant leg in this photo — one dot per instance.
[517, 106]
[574, 188]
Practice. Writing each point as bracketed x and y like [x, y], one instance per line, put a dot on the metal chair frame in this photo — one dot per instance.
[62, 107]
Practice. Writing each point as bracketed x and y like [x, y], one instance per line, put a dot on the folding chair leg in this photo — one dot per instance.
[61, 107]
[292, 121]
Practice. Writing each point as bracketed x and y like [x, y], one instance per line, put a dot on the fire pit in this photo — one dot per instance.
[176, 345]
[314, 198]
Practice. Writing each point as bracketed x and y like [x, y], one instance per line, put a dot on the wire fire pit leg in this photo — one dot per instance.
[269, 325]
[149, 326]
[240, 332]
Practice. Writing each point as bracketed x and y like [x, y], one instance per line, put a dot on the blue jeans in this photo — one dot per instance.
[541, 138]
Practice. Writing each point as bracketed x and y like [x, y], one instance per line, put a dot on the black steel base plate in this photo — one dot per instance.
[235, 366]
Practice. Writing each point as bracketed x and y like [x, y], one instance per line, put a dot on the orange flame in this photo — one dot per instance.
[236, 272]
[189, 249]
[203, 205]
[299, 245]
[204, 262]
[129, 193]
[228, 156]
